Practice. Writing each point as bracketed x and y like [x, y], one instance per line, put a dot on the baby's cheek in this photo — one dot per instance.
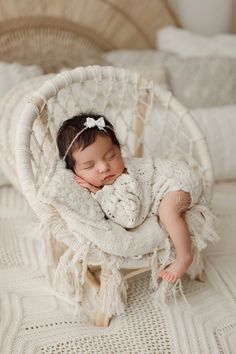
[95, 179]
[121, 166]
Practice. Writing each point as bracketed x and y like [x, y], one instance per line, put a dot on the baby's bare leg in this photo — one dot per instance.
[171, 213]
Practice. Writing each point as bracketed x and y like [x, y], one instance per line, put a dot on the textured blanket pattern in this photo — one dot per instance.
[35, 320]
[86, 220]
[101, 241]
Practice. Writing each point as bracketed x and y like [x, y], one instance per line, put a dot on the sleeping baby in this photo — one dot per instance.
[131, 190]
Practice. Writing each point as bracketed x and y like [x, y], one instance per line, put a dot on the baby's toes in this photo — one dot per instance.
[169, 277]
[173, 279]
[166, 276]
[162, 272]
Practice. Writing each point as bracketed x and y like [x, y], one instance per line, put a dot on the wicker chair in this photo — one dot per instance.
[141, 112]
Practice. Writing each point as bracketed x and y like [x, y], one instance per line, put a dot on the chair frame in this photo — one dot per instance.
[36, 108]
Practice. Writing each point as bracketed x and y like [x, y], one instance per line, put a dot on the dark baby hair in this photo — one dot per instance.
[73, 126]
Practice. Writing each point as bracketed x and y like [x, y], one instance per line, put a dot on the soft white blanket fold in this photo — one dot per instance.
[188, 44]
[85, 218]
[137, 193]
[96, 236]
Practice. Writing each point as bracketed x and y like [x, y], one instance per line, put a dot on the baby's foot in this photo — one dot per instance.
[177, 269]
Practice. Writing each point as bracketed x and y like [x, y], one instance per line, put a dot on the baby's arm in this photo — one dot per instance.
[121, 204]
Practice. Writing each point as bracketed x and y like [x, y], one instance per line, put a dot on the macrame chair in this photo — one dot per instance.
[148, 121]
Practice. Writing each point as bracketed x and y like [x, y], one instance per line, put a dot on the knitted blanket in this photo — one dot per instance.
[35, 320]
[86, 221]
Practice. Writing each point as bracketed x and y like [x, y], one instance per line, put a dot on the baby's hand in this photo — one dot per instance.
[85, 184]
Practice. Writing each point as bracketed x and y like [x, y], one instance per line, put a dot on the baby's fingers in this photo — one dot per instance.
[79, 180]
[82, 182]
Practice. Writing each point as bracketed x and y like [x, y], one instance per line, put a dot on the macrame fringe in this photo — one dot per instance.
[70, 274]
[114, 296]
[65, 281]
[159, 262]
[48, 244]
[81, 256]
[197, 266]
[202, 224]
[169, 293]
[71, 267]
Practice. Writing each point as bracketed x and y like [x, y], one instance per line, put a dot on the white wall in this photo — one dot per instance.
[204, 16]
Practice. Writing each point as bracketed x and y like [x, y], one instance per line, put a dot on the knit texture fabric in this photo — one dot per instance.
[98, 240]
[34, 319]
[136, 195]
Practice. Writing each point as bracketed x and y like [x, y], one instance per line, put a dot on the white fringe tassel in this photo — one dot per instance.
[159, 260]
[114, 296]
[48, 245]
[202, 224]
[169, 293]
[70, 274]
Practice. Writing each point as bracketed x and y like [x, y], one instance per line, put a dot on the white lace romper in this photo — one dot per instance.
[136, 195]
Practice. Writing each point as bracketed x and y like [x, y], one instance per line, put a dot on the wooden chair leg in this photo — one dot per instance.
[102, 320]
[200, 277]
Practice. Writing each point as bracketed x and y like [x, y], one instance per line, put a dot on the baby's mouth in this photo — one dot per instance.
[108, 178]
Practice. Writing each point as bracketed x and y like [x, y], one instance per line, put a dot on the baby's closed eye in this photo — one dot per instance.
[88, 167]
[110, 156]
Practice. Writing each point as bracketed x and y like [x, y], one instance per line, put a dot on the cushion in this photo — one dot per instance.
[10, 76]
[188, 44]
[202, 82]
[149, 63]
[14, 73]
[218, 125]
[219, 128]
[11, 107]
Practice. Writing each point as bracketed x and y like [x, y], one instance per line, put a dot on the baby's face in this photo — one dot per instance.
[99, 163]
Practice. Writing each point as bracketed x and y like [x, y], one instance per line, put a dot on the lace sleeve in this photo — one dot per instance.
[121, 202]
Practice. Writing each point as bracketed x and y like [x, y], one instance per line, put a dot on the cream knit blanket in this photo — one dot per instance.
[86, 221]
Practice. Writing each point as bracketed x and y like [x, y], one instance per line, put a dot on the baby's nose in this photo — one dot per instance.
[103, 167]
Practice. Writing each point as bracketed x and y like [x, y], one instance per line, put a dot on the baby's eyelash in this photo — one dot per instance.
[111, 156]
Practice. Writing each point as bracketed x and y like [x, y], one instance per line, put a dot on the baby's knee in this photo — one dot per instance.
[182, 201]
[173, 205]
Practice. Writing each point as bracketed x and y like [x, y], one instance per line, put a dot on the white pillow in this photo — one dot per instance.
[188, 44]
[219, 126]
[11, 107]
[202, 82]
[11, 75]
[149, 63]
